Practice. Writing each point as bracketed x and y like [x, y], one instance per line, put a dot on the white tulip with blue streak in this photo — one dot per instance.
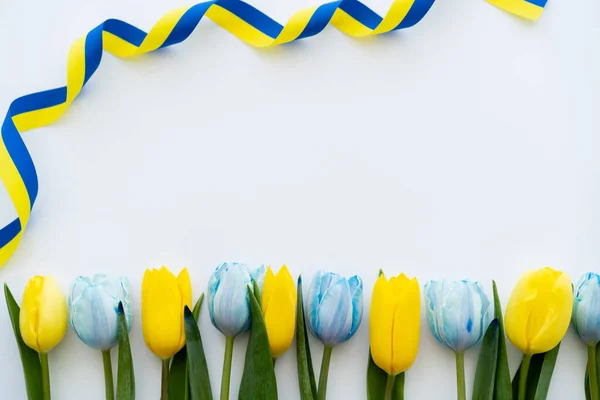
[457, 313]
[93, 303]
[334, 307]
[586, 308]
[228, 302]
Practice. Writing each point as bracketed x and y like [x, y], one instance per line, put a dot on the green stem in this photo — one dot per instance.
[227, 368]
[164, 387]
[523, 376]
[593, 372]
[45, 375]
[108, 375]
[389, 387]
[461, 391]
[322, 392]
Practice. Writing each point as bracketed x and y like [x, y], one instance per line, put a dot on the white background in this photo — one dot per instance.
[465, 147]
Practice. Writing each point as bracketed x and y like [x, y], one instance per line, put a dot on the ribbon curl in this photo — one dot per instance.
[17, 170]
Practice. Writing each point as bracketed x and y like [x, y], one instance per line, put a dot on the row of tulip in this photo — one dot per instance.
[270, 306]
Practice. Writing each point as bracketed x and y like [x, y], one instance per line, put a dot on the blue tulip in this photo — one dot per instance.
[93, 303]
[457, 313]
[586, 308]
[334, 307]
[228, 302]
[258, 275]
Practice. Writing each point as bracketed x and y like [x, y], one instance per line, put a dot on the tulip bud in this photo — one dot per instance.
[228, 302]
[539, 310]
[93, 304]
[586, 308]
[395, 322]
[457, 313]
[334, 307]
[164, 298]
[44, 314]
[279, 309]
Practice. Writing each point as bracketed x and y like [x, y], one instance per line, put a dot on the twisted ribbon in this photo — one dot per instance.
[17, 170]
[529, 9]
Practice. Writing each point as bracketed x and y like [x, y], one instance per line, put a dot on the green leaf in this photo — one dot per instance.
[485, 376]
[545, 377]
[258, 378]
[377, 381]
[125, 374]
[32, 369]
[179, 387]
[539, 375]
[306, 373]
[502, 387]
[398, 390]
[199, 380]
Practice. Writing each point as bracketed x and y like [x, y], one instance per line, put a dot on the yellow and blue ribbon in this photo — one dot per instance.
[17, 170]
[529, 9]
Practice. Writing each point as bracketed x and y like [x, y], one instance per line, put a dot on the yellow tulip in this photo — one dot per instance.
[395, 323]
[279, 309]
[164, 297]
[44, 314]
[539, 310]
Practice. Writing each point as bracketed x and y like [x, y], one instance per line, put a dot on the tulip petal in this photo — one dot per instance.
[279, 310]
[559, 308]
[229, 303]
[30, 312]
[381, 325]
[518, 309]
[162, 319]
[53, 315]
[334, 314]
[356, 289]
[407, 324]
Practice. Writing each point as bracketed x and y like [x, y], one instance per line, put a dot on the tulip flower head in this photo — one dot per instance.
[44, 315]
[539, 310]
[586, 308]
[228, 302]
[457, 313]
[164, 298]
[93, 304]
[279, 309]
[395, 323]
[334, 307]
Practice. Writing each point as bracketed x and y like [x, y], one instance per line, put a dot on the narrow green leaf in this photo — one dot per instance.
[125, 374]
[539, 375]
[502, 387]
[199, 380]
[179, 388]
[485, 376]
[178, 382]
[376, 380]
[258, 378]
[32, 369]
[306, 373]
[545, 377]
[398, 390]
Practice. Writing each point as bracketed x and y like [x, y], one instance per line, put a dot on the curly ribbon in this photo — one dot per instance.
[17, 170]
[529, 9]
